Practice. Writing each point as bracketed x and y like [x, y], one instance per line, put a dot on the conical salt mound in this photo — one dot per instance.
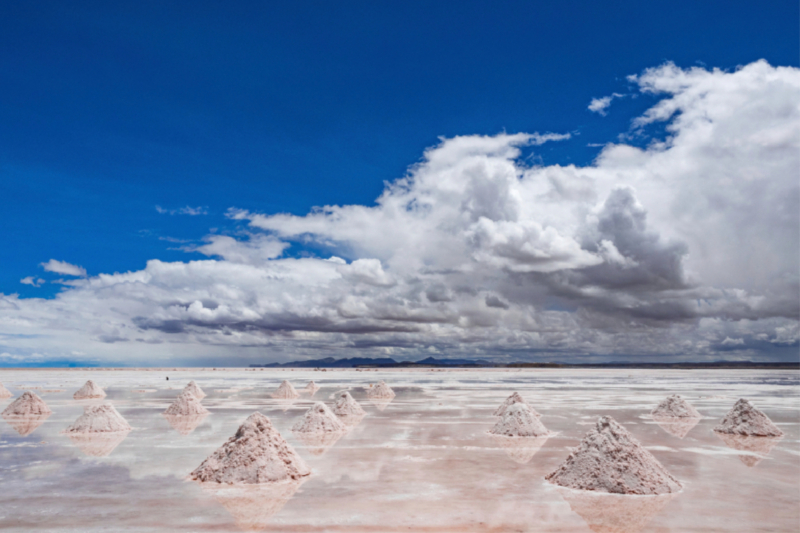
[380, 391]
[99, 419]
[519, 420]
[319, 419]
[511, 400]
[29, 404]
[89, 390]
[745, 419]
[195, 389]
[4, 392]
[257, 453]
[286, 391]
[609, 459]
[311, 388]
[186, 404]
[346, 405]
[675, 407]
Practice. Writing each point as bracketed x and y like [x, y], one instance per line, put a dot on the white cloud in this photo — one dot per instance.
[188, 210]
[30, 280]
[683, 248]
[62, 267]
[601, 105]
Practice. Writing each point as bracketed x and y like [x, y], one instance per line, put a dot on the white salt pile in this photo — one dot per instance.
[29, 404]
[89, 390]
[286, 391]
[519, 420]
[511, 400]
[380, 391]
[186, 404]
[745, 419]
[346, 405]
[257, 453]
[311, 388]
[319, 419]
[609, 459]
[4, 392]
[99, 419]
[195, 389]
[675, 407]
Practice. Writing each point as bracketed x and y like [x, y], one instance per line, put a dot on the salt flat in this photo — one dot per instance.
[421, 462]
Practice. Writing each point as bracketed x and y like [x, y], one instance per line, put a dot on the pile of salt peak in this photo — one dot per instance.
[195, 389]
[29, 404]
[346, 407]
[744, 419]
[381, 391]
[319, 429]
[4, 392]
[676, 416]
[186, 404]
[89, 390]
[519, 420]
[609, 459]
[286, 391]
[257, 453]
[99, 419]
[675, 407]
[511, 400]
[311, 388]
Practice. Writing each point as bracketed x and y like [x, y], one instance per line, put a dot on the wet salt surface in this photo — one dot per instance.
[423, 463]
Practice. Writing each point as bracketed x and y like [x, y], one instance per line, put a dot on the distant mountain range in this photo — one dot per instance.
[387, 362]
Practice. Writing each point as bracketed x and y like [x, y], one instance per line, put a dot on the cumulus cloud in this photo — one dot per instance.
[30, 280]
[685, 248]
[601, 105]
[62, 267]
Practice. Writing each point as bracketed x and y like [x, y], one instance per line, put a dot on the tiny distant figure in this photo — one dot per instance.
[167, 378]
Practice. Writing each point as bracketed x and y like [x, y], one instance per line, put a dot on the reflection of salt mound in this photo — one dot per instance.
[99, 419]
[89, 390]
[381, 391]
[257, 453]
[609, 459]
[184, 424]
[511, 400]
[745, 419]
[519, 420]
[346, 405]
[4, 392]
[29, 404]
[614, 513]
[676, 426]
[195, 389]
[675, 407]
[25, 425]
[98, 444]
[186, 404]
[319, 419]
[285, 391]
[252, 506]
[744, 443]
[380, 403]
[318, 443]
[311, 388]
[520, 449]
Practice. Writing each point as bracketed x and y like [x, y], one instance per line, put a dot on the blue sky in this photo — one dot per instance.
[116, 116]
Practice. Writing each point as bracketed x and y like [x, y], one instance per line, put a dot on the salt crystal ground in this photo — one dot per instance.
[423, 463]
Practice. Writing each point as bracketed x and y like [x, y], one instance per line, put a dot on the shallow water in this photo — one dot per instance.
[421, 463]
